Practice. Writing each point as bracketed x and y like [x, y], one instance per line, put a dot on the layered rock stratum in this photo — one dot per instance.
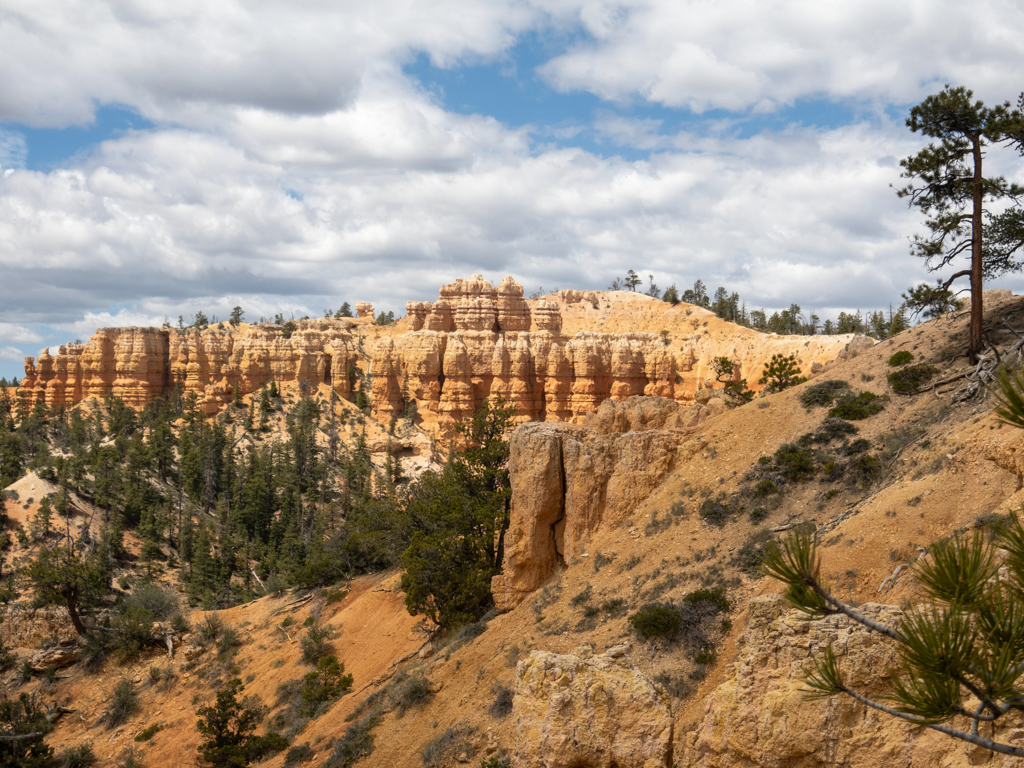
[552, 359]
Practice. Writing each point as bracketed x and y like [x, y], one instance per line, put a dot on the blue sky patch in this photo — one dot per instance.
[50, 148]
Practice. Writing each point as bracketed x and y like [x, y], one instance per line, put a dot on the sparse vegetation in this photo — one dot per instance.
[909, 380]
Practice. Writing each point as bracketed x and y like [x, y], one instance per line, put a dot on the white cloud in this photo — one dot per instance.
[18, 334]
[173, 60]
[12, 354]
[749, 54]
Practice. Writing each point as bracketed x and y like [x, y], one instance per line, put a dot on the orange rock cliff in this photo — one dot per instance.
[552, 359]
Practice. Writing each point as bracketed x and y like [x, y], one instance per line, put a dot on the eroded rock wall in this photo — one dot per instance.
[552, 359]
[141, 364]
[568, 480]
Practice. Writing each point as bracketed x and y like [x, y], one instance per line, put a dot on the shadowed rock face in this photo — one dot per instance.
[580, 709]
[569, 480]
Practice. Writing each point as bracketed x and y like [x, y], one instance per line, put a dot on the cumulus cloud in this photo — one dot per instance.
[295, 166]
[172, 60]
[752, 55]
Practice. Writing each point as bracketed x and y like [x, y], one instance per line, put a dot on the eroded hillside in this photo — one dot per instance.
[638, 503]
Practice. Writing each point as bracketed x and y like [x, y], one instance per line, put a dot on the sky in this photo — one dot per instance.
[158, 159]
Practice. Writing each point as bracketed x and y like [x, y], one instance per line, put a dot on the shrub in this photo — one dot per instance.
[300, 754]
[866, 468]
[452, 740]
[757, 514]
[412, 691]
[355, 743]
[794, 463]
[316, 642]
[7, 658]
[180, 624]
[901, 358]
[856, 408]
[502, 704]
[130, 757]
[149, 733]
[714, 512]
[824, 394]
[81, 756]
[655, 620]
[210, 628]
[162, 604]
[857, 446]
[326, 683]
[135, 624]
[228, 640]
[907, 381]
[748, 556]
[765, 487]
[123, 703]
[832, 428]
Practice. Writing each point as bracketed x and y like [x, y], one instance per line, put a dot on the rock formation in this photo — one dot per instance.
[549, 359]
[141, 364]
[580, 709]
[568, 480]
[760, 716]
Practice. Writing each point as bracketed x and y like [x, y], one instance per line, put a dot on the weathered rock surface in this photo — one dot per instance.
[569, 480]
[57, 657]
[759, 717]
[585, 710]
[550, 359]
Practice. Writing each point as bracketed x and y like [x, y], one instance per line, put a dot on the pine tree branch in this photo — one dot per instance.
[973, 738]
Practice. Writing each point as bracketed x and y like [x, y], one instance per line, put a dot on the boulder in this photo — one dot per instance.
[585, 710]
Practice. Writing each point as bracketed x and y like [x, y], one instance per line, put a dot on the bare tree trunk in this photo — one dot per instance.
[976, 243]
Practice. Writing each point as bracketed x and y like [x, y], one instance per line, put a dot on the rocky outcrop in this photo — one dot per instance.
[580, 709]
[568, 480]
[476, 341]
[760, 716]
[141, 364]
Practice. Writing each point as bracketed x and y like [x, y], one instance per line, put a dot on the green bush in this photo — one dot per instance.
[857, 446]
[228, 726]
[316, 643]
[21, 717]
[324, 684]
[130, 757]
[908, 381]
[412, 691]
[656, 620]
[8, 659]
[161, 604]
[901, 358]
[866, 468]
[134, 625]
[210, 628]
[824, 394]
[355, 743]
[794, 463]
[123, 703]
[832, 429]
[302, 753]
[856, 408]
[714, 512]
[748, 557]
[713, 597]
[81, 756]
[149, 733]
